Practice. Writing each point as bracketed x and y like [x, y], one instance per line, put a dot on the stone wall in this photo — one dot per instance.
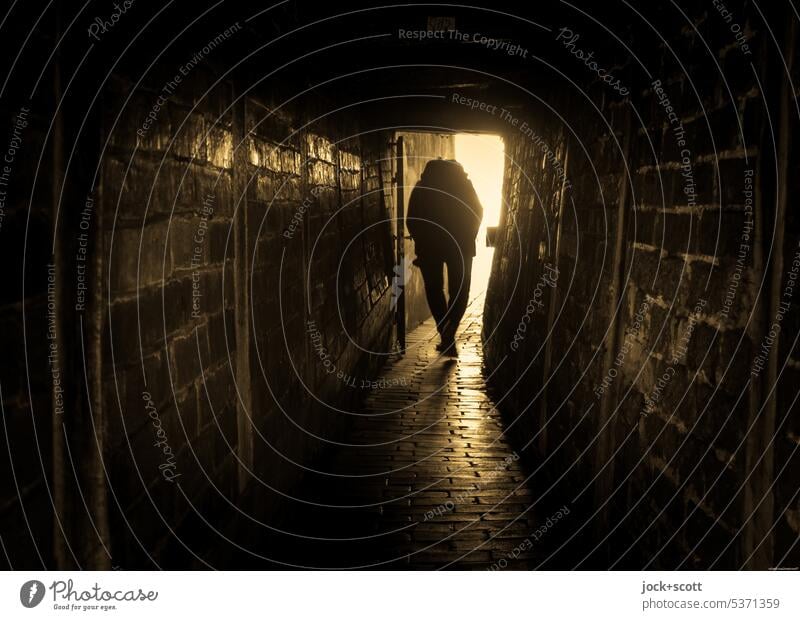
[248, 256]
[649, 395]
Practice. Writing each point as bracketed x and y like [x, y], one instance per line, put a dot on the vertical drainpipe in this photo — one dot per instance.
[401, 242]
[605, 438]
[241, 287]
[758, 314]
[758, 541]
[60, 517]
[551, 310]
[84, 522]
[96, 556]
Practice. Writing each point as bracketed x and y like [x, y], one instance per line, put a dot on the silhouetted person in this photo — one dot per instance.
[444, 215]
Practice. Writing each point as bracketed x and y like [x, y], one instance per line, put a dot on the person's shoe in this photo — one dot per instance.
[444, 336]
[449, 332]
[449, 349]
[447, 340]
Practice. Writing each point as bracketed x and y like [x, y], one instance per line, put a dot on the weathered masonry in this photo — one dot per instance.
[199, 227]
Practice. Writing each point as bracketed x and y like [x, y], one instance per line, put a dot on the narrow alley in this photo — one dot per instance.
[428, 480]
[227, 229]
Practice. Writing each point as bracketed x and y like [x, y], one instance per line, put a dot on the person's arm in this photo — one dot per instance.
[476, 209]
[412, 217]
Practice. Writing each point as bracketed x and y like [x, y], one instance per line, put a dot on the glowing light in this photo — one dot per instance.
[483, 158]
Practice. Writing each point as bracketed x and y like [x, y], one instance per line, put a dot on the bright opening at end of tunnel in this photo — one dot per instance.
[483, 158]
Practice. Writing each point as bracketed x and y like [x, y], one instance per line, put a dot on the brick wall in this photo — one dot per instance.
[218, 347]
[654, 407]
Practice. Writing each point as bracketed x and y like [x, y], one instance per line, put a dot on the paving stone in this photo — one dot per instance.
[448, 491]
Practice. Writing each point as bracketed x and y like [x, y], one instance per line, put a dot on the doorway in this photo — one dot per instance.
[483, 158]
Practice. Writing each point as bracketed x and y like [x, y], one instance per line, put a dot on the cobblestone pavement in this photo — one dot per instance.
[432, 483]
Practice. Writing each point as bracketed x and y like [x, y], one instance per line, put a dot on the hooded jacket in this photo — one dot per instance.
[444, 213]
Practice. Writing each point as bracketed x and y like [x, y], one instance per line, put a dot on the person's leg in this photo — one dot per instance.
[459, 270]
[432, 275]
